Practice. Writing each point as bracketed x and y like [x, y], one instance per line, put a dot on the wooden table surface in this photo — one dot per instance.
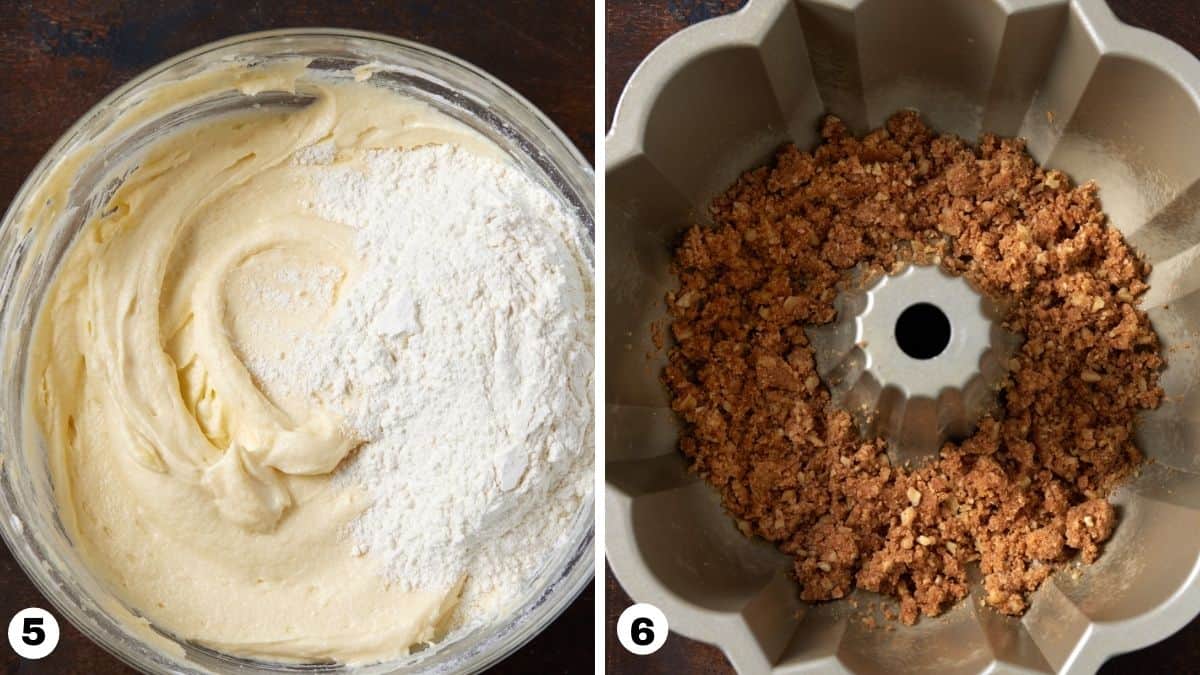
[634, 27]
[58, 57]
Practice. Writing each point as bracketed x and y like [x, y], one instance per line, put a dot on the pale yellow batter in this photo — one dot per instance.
[205, 504]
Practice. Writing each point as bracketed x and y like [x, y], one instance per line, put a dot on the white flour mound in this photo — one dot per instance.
[461, 356]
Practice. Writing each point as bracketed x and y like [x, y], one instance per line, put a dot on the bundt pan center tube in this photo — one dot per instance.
[916, 359]
[1094, 98]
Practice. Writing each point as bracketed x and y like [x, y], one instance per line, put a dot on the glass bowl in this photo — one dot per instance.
[30, 252]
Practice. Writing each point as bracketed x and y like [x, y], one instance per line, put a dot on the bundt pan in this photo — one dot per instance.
[1095, 98]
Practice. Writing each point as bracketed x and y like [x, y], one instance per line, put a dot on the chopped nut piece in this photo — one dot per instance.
[926, 541]
[914, 496]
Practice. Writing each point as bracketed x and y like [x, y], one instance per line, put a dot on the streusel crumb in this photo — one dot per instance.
[1024, 494]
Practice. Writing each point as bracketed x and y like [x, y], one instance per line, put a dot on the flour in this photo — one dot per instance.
[460, 354]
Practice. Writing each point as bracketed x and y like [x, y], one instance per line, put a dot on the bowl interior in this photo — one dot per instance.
[765, 77]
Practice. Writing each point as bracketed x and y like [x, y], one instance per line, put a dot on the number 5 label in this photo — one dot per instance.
[33, 633]
[642, 629]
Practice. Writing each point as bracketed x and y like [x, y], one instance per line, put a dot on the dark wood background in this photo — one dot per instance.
[58, 57]
[634, 27]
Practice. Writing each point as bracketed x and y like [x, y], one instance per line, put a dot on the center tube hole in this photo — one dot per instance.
[922, 331]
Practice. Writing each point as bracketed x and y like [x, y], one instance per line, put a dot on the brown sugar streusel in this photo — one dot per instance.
[1024, 494]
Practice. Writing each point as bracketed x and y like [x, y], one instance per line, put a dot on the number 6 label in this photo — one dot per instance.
[642, 629]
[33, 633]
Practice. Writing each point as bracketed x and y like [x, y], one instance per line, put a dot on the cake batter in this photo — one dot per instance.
[204, 504]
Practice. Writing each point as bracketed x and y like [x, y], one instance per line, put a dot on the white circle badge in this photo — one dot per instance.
[642, 629]
[33, 633]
